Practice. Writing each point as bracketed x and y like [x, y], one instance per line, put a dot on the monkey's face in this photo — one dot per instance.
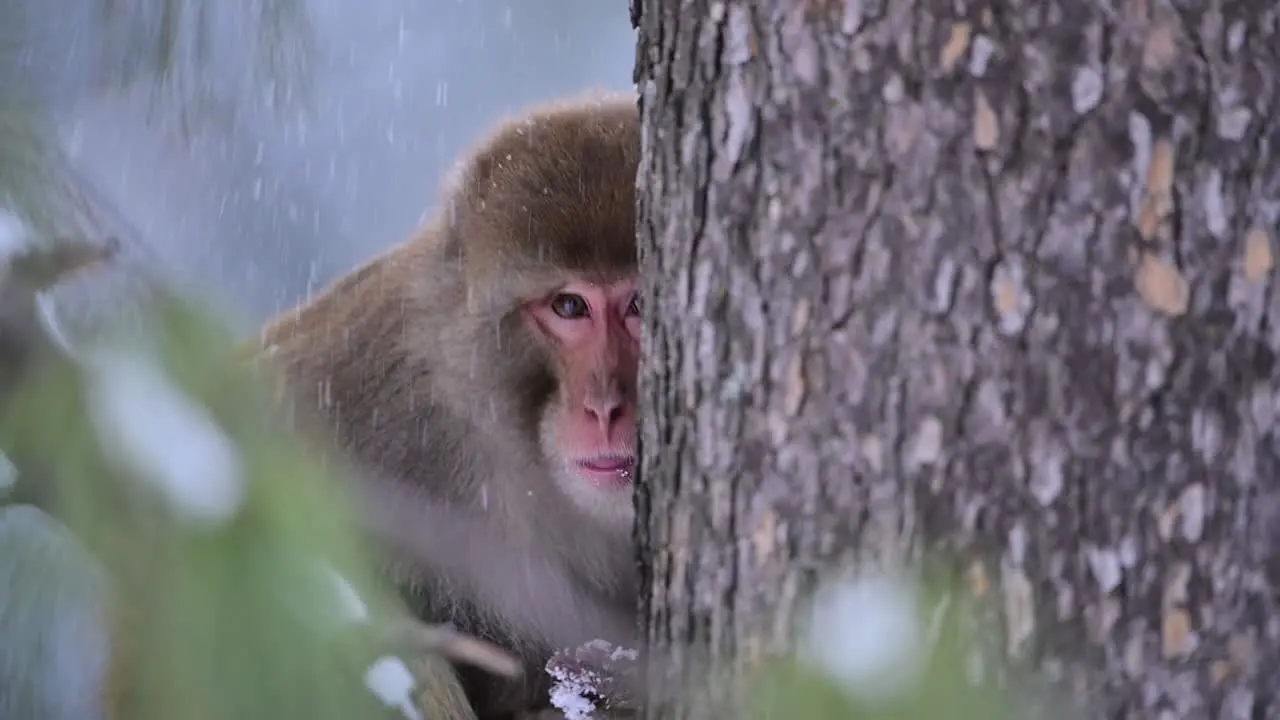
[588, 431]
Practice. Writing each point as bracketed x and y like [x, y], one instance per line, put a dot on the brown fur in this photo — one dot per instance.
[426, 373]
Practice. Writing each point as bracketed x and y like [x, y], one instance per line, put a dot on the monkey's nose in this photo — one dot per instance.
[605, 409]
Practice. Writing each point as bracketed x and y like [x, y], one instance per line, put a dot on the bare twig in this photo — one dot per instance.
[23, 276]
[42, 267]
[411, 637]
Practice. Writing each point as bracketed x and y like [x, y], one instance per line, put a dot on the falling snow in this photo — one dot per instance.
[149, 427]
[391, 681]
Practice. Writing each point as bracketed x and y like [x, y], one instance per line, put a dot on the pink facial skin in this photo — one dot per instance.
[596, 331]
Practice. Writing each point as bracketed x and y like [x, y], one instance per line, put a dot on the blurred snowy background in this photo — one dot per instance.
[256, 210]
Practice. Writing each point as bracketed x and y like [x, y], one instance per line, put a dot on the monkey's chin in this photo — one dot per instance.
[611, 473]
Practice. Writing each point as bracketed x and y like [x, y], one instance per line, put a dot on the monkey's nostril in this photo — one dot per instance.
[607, 417]
[604, 409]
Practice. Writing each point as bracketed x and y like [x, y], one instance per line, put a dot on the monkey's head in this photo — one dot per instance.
[542, 230]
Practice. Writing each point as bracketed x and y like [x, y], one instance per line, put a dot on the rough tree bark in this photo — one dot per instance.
[990, 277]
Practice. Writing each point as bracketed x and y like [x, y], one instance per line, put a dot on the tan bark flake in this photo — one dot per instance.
[1006, 294]
[1157, 202]
[1258, 259]
[1243, 652]
[800, 317]
[793, 394]
[1176, 634]
[957, 44]
[1161, 286]
[1219, 671]
[986, 126]
[1160, 172]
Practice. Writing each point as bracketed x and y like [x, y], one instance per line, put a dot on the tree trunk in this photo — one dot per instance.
[994, 278]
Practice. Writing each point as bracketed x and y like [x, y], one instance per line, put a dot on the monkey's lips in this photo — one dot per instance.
[612, 472]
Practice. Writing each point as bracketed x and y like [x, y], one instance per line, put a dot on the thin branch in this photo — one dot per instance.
[411, 637]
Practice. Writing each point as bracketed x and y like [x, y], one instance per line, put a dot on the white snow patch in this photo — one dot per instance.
[391, 681]
[8, 473]
[622, 653]
[868, 635]
[15, 235]
[569, 694]
[150, 427]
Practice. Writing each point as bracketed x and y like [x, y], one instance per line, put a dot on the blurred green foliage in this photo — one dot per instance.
[240, 617]
[226, 617]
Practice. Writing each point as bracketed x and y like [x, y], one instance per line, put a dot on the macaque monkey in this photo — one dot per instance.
[485, 372]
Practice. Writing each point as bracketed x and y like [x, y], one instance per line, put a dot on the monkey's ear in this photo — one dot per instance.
[40, 268]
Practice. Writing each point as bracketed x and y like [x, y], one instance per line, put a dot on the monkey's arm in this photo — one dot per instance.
[54, 639]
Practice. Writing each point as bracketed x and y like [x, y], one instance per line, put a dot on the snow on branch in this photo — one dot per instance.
[597, 680]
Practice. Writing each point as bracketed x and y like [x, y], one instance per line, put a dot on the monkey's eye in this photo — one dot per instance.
[633, 308]
[569, 306]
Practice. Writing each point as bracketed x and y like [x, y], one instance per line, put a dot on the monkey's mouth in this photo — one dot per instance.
[608, 471]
